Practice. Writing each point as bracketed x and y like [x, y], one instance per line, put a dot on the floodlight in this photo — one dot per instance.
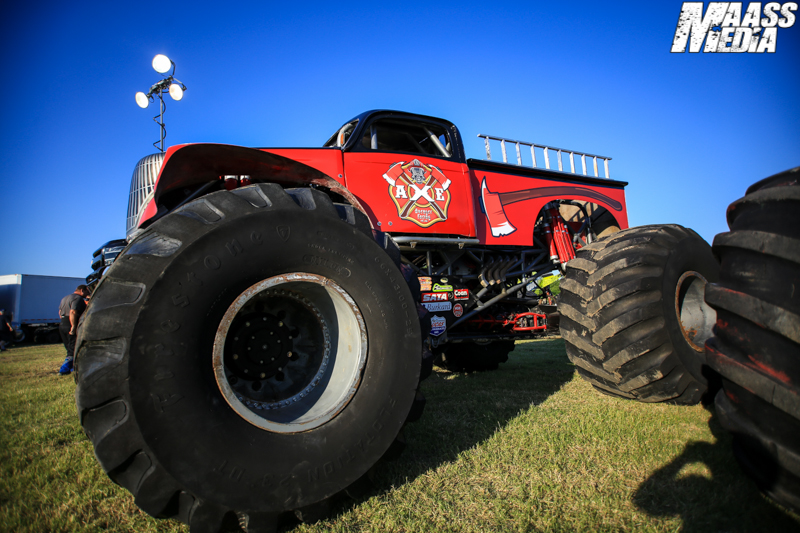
[175, 91]
[167, 84]
[161, 63]
[142, 100]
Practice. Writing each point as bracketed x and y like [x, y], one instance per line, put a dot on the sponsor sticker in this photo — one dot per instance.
[438, 325]
[434, 297]
[442, 288]
[437, 306]
[425, 283]
[461, 294]
[458, 310]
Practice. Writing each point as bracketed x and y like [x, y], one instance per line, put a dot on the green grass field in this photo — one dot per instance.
[530, 447]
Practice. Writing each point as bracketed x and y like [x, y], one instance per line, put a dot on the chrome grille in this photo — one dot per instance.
[142, 183]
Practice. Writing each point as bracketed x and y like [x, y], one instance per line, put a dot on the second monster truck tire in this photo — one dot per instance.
[633, 316]
[248, 355]
[474, 357]
[756, 343]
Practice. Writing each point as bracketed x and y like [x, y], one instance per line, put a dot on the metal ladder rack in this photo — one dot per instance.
[546, 149]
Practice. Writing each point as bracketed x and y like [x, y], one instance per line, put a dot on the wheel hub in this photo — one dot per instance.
[695, 316]
[289, 351]
[259, 346]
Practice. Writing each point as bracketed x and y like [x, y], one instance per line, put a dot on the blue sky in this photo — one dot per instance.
[689, 132]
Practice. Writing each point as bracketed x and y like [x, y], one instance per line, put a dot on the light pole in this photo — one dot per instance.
[174, 87]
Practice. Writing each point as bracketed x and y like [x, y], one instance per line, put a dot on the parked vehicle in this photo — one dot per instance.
[258, 345]
[102, 258]
[32, 303]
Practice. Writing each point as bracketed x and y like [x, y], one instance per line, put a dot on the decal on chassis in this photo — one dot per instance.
[438, 325]
[435, 297]
[437, 306]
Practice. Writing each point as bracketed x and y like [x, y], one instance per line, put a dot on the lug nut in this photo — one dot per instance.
[247, 324]
[235, 356]
[263, 375]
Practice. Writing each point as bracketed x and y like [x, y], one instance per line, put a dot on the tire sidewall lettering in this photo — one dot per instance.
[211, 262]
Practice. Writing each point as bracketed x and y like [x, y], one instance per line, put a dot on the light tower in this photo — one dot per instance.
[170, 84]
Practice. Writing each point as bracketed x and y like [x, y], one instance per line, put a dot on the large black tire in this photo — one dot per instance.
[474, 357]
[633, 317]
[165, 391]
[756, 343]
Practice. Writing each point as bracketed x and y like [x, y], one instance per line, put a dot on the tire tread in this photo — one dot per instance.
[612, 324]
[103, 352]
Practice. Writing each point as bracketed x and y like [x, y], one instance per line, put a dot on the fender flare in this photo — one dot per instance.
[190, 165]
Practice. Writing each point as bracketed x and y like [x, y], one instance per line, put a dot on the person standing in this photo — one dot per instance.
[6, 331]
[70, 310]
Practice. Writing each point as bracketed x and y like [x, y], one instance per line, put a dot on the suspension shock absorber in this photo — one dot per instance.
[561, 237]
[548, 238]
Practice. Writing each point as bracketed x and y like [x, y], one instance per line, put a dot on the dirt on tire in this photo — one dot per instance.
[622, 316]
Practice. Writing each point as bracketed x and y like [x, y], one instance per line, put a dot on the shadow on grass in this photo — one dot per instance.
[725, 500]
[463, 410]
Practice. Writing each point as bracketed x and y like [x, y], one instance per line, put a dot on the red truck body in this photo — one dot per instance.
[404, 192]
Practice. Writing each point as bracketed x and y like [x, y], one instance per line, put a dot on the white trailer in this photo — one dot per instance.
[31, 302]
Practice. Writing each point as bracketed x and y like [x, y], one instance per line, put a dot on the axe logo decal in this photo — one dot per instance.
[419, 191]
[493, 202]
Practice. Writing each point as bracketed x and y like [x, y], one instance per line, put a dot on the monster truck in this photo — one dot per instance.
[756, 343]
[258, 345]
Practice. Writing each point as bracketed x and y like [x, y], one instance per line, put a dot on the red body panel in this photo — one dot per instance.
[444, 203]
[400, 192]
[513, 202]
[151, 208]
[190, 165]
[327, 161]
